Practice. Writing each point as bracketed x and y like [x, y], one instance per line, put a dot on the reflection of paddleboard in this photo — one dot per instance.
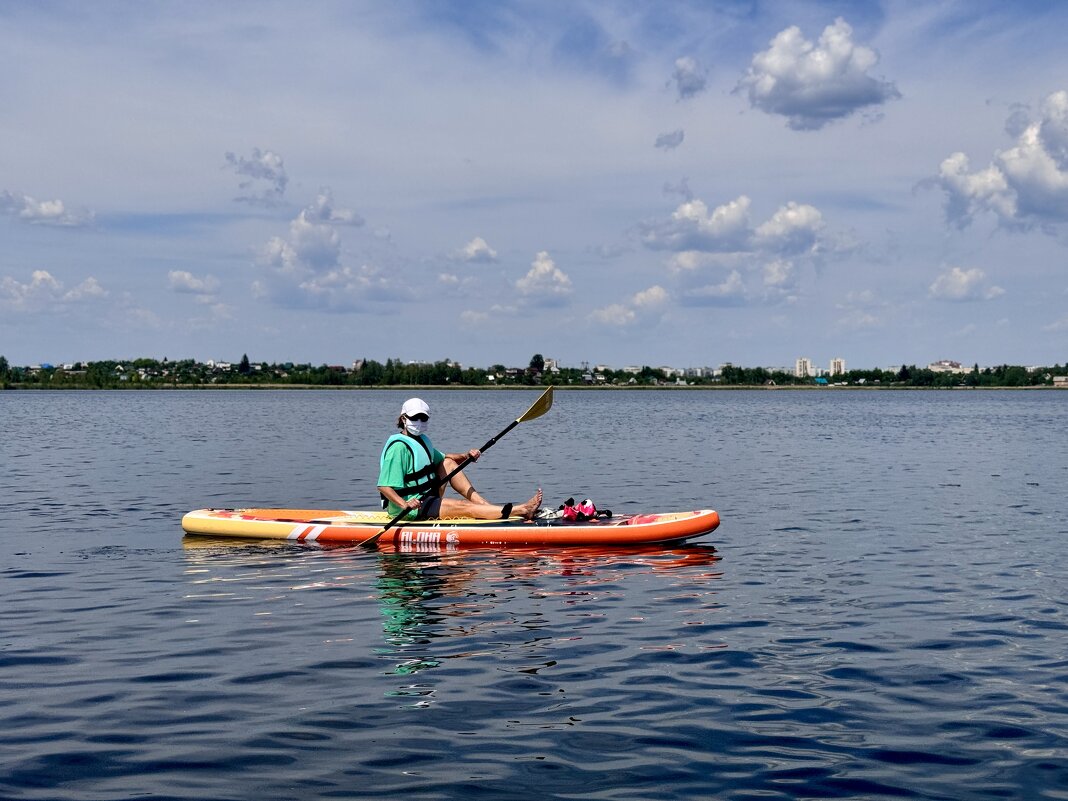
[317, 525]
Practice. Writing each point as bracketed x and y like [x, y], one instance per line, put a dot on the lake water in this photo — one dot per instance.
[882, 613]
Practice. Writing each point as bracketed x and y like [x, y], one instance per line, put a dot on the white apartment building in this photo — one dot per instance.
[803, 368]
[947, 366]
[837, 367]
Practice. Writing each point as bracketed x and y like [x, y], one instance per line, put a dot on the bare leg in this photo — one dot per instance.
[462, 484]
[452, 507]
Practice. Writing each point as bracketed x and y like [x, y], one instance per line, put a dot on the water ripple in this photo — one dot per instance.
[882, 616]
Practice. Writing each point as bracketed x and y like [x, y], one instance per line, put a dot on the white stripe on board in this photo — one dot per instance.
[298, 529]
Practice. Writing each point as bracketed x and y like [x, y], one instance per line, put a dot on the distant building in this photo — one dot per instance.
[946, 366]
[838, 367]
[803, 368]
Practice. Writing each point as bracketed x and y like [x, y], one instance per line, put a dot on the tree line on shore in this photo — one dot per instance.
[147, 373]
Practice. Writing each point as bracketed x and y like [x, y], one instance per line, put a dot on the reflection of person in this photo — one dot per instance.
[406, 592]
[412, 470]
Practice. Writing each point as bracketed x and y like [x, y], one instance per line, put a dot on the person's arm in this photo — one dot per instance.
[472, 456]
[395, 499]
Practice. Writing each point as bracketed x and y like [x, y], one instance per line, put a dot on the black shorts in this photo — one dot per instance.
[430, 509]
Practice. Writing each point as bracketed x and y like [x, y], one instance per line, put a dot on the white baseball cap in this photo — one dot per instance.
[414, 406]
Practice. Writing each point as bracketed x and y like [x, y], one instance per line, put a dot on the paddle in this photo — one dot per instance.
[540, 407]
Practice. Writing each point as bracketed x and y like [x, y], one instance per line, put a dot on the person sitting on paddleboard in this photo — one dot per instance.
[411, 470]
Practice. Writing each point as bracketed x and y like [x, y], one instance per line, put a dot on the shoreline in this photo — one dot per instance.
[538, 387]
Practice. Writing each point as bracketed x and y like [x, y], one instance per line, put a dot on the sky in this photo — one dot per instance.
[624, 183]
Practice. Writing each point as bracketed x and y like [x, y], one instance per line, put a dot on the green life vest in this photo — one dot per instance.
[424, 476]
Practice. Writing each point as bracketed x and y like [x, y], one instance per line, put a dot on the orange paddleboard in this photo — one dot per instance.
[319, 525]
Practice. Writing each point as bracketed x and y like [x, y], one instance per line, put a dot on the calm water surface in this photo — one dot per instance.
[882, 613]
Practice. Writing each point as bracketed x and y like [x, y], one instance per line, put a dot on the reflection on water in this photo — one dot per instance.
[428, 597]
[407, 591]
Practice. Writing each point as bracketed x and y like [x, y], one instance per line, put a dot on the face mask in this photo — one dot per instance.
[416, 427]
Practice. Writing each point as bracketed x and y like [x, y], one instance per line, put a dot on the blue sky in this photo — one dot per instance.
[675, 184]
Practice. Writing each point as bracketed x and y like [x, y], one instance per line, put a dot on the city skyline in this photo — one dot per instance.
[803, 366]
[479, 181]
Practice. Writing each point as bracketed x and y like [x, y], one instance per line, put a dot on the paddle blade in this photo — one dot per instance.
[540, 407]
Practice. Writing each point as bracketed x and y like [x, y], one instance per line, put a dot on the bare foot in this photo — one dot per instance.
[528, 509]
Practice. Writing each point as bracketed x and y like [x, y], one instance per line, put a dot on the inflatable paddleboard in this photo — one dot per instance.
[318, 525]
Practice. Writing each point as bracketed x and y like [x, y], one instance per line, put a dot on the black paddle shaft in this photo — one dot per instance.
[463, 462]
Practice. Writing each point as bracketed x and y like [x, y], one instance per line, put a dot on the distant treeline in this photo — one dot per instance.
[907, 376]
[152, 373]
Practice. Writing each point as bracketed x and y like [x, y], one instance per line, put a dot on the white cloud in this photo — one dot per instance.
[185, 282]
[1053, 128]
[692, 227]
[653, 298]
[957, 284]
[304, 268]
[968, 193]
[1039, 180]
[689, 77]
[313, 243]
[763, 261]
[616, 314]
[1024, 185]
[646, 305]
[472, 317]
[477, 251]
[778, 273]
[316, 245]
[693, 232]
[781, 281]
[690, 260]
[266, 174]
[42, 212]
[729, 291]
[323, 210]
[89, 289]
[346, 288]
[544, 279]
[43, 291]
[1058, 327]
[670, 140]
[794, 228]
[814, 84]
